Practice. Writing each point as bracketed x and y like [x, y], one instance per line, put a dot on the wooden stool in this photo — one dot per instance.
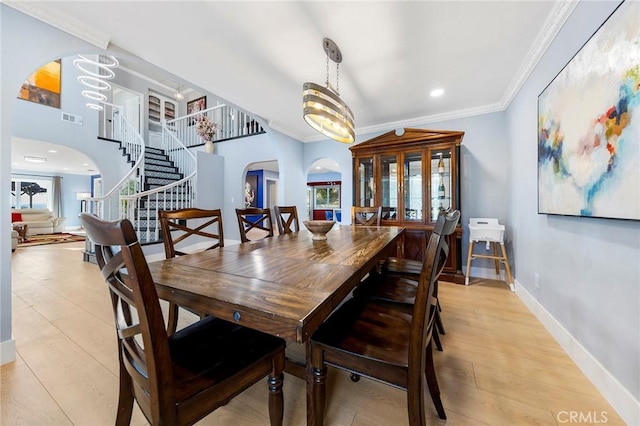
[492, 233]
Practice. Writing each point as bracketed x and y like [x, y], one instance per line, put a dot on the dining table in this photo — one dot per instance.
[285, 285]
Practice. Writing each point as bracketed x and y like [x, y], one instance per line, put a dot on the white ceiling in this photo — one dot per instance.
[59, 158]
[257, 55]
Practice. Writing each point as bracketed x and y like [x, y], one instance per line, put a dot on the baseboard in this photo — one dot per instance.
[625, 404]
[7, 351]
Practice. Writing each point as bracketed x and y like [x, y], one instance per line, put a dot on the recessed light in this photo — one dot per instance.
[436, 92]
[85, 164]
[53, 151]
[35, 159]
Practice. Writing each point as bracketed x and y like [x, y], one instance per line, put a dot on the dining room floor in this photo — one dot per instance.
[499, 365]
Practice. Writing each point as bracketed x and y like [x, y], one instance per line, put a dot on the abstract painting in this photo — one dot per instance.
[43, 86]
[589, 126]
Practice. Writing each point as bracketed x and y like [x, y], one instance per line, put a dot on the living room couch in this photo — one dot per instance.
[38, 221]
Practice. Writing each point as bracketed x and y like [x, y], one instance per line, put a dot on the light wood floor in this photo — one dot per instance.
[499, 365]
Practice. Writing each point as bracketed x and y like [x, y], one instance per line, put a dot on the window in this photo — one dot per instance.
[326, 197]
[32, 193]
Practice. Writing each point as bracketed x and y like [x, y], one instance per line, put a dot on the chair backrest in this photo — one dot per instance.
[254, 219]
[368, 216]
[423, 309]
[287, 219]
[142, 338]
[447, 231]
[193, 224]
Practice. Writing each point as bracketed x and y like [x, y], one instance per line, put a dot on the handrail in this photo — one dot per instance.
[129, 137]
[231, 123]
[141, 205]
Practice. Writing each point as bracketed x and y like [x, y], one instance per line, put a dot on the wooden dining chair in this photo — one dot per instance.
[255, 219]
[177, 379]
[287, 219]
[398, 279]
[367, 216]
[190, 226]
[388, 342]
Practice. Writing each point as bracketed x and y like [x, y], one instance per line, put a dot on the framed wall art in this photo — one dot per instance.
[589, 126]
[199, 104]
[43, 86]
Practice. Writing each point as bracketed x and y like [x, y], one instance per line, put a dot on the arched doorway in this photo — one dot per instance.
[324, 190]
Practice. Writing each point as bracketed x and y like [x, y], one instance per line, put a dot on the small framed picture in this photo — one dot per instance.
[199, 104]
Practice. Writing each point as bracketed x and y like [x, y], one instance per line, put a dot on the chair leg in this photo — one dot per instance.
[439, 324]
[436, 340]
[416, 400]
[276, 400]
[125, 398]
[470, 252]
[432, 383]
[172, 322]
[317, 399]
[506, 265]
[496, 258]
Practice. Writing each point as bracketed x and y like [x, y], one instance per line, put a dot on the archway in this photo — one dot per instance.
[324, 190]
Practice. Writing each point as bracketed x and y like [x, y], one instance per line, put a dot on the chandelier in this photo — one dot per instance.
[322, 107]
[96, 72]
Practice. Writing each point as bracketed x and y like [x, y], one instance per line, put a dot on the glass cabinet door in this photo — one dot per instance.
[389, 187]
[413, 186]
[441, 187]
[365, 189]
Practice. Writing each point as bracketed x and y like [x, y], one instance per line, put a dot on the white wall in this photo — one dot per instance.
[589, 268]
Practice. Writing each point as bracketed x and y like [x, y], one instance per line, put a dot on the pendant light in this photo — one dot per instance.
[322, 107]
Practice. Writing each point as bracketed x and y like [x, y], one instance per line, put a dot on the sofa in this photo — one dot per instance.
[38, 221]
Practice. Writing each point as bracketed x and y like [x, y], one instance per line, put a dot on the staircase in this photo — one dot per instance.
[159, 172]
[162, 179]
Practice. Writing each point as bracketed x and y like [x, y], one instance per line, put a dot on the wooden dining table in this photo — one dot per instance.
[286, 285]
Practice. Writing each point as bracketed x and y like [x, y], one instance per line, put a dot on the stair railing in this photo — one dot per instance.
[130, 199]
[231, 123]
[142, 208]
[107, 206]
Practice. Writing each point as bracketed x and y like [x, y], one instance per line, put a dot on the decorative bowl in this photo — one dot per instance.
[319, 228]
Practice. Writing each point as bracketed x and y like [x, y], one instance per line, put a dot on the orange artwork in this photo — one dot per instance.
[43, 86]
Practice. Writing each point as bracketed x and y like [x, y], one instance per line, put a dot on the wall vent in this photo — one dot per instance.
[75, 119]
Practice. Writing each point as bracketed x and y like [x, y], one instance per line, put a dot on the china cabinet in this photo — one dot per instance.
[414, 174]
[160, 108]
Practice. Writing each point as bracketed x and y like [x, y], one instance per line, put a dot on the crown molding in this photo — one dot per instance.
[559, 14]
[49, 15]
[413, 122]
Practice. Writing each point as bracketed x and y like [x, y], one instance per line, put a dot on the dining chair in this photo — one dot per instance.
[388, 342]
[177, 379]
[399, 277]
[256, 219]
[287, 219]
[190, 226]
[367, 216]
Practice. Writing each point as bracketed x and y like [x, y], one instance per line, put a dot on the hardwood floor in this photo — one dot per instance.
[499, 365]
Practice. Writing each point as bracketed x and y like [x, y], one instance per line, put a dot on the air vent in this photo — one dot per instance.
[75, 119]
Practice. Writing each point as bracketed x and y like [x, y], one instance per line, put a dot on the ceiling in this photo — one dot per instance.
[257, 55]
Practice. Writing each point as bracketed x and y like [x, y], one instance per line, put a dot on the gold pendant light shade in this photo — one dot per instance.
[327, 113]
[322, 107]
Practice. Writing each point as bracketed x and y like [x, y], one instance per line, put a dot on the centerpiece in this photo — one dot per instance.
[205, 128]
[319, 228]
